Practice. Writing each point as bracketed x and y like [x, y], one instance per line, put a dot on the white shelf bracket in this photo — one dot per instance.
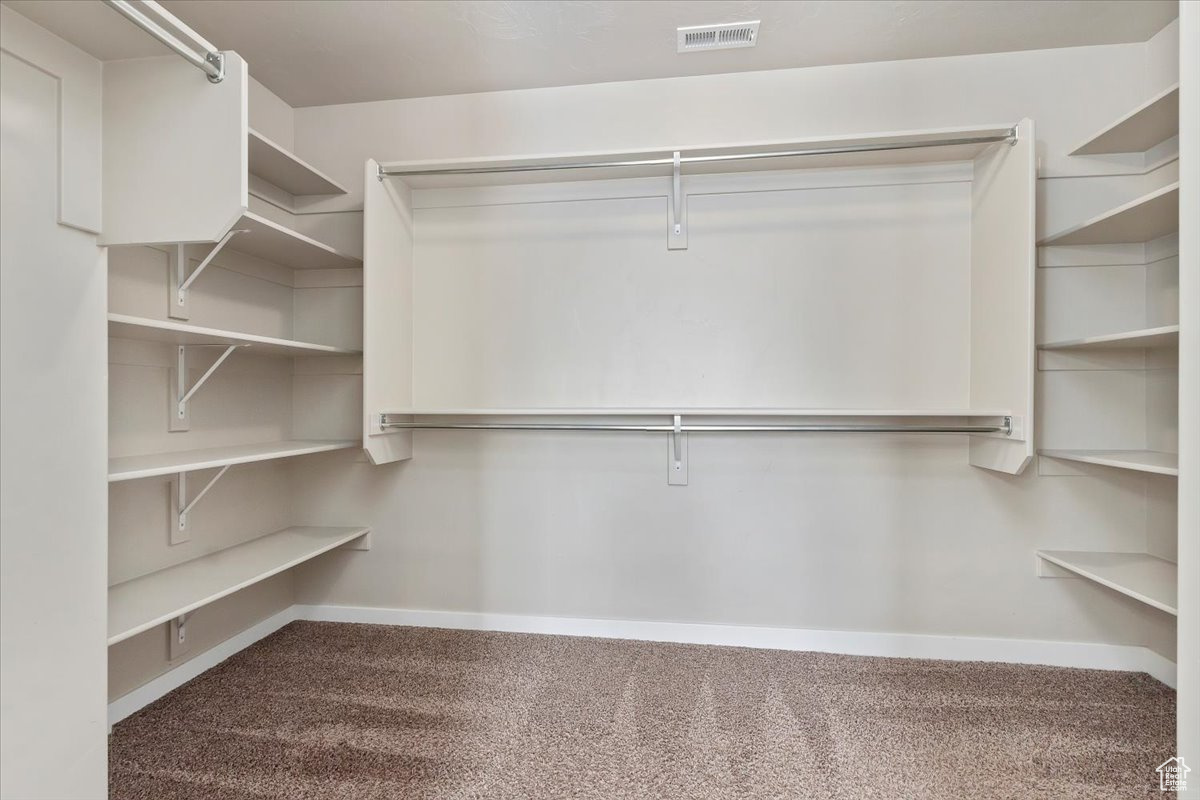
[177, 641]
[180, 394]
[677, 234]
[182, 281]
[677, 450]
[182, 506]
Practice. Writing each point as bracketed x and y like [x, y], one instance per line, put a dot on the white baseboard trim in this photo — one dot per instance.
[146, 694]
[1131, 658]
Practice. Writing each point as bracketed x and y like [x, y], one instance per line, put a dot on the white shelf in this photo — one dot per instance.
[698, 412]
[1149, 124]
[129, 468]
[1138, 460]
[1164, 336]
[140, 604]
[276, 165]
[894, 157]
[273, 242]
[123, 326]
[1148, 217]
[1141, 576]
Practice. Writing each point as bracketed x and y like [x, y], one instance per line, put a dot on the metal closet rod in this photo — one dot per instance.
[1006, 427]
[669, 161]
[169, 29]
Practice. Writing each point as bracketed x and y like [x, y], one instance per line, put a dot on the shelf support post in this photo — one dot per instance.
[177, 308]
[181, 394]
[677, 233]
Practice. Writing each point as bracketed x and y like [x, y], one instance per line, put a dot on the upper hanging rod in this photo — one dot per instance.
[1006, 427]
[171, 31]
[670, 161]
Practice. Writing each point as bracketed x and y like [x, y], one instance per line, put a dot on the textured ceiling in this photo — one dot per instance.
[319, 52]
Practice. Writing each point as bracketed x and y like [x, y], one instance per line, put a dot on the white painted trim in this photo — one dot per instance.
[1085, 655]
[146, 694]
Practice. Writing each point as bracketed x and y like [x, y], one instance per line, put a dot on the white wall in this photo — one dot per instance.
[878, 534]
[53, 422]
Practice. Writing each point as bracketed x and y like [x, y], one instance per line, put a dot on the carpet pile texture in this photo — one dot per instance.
[333, 711]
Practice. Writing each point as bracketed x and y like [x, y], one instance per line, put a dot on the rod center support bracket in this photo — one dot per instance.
[677, 232]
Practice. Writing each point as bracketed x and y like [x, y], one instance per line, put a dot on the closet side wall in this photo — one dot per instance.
[872, 534]
[53, 419]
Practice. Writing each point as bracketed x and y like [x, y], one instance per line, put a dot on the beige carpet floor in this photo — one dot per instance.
[332, 711]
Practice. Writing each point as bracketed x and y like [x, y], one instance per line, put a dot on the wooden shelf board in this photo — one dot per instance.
[1143, 577]
[1148, 217]
[962, 152]
[1149, 124]
[123, 326]
[139, 604]
[276, 165]
[1164, 336]
[1138, 460]
[127, 468]
[699, 412]
[273, 242]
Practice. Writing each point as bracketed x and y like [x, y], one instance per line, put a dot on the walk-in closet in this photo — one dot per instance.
[542, 399]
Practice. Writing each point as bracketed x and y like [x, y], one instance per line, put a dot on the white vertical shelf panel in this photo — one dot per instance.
[387, 312]
[1003, 261]
[175, 152]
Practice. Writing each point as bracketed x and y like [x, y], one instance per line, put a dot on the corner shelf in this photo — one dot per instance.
[1146, 578]
[1148, 217]
[276, 165]
[123, 326]
[273, 242]
[138, 605]
[129, 468]
[1149, 124]
[1137, 460]
[1164, 336]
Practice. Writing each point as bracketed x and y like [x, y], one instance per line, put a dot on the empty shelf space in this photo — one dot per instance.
[1138, 460]
[1143, 577]
[155, 330]
[140, 604]
[1165, 336]
[1153, 122]
[276, 165]
[697, 412]
[1148, 217]
[273, 242]
[127, 468]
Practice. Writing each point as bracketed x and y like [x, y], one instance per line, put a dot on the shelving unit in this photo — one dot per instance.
[1150, 216]
[123, 326]
[1137, 460]
[1149, 124]
[127, 468]
[1162, 336]
[1145, 578]
[142, 603]
[282, 168]
[1137, 397]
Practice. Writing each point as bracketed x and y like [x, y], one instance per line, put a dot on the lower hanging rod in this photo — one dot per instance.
[1005, 428]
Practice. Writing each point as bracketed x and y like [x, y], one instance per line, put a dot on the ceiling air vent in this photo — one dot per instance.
[695, 38]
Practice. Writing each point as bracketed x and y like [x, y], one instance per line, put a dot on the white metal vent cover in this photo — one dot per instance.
[695, 38]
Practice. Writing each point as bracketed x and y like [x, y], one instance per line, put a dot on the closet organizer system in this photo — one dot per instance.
[410, 384]
[235, 339]
[1113, 385]
[193, 194]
